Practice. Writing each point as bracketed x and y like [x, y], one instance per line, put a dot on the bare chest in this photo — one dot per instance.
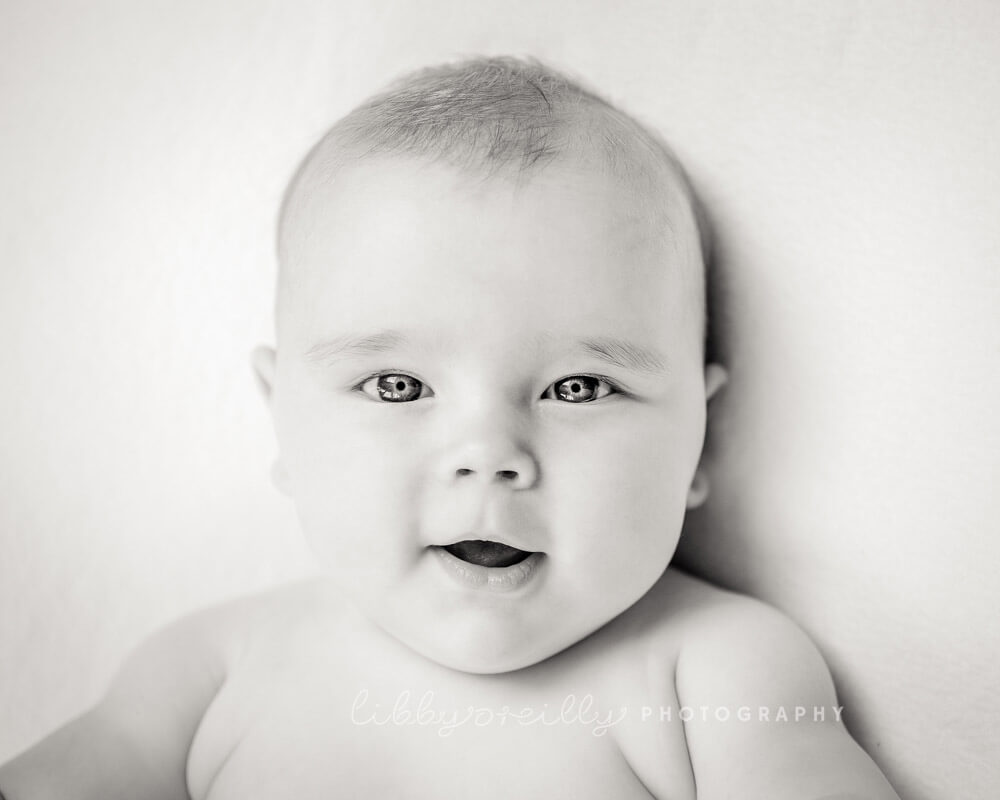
[310, 759]
[328, 730]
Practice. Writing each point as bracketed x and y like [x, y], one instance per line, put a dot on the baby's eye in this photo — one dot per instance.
[579, 389]
[394, 388]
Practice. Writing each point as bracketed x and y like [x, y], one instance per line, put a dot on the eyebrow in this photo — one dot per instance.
[624, 354]
[350, 345]
[615, 352]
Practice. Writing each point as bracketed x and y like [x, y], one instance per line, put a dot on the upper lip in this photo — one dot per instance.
[510, 541]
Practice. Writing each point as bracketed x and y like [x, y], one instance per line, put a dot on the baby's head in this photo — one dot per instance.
[489, 385]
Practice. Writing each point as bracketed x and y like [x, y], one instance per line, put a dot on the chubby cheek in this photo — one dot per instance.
[619, 502]
[353, 484]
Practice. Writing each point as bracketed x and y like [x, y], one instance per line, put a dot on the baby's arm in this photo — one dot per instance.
[134, 743]
[748, 656]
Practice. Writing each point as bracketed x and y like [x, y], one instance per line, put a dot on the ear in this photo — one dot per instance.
[715, 378]
[263, 360]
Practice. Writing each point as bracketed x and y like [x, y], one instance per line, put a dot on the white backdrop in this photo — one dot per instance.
[847, 152]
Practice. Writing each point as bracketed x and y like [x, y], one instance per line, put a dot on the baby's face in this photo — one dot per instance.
[490, 404]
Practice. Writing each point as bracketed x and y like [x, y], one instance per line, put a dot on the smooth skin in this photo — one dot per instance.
[461, 358]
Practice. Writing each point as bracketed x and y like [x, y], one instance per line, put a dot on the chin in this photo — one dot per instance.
[485, 663]
[477, 653]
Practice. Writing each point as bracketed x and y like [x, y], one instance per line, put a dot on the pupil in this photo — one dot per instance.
[400, 385]
[575, 387]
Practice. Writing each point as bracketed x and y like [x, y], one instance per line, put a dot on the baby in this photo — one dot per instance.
[489, 390]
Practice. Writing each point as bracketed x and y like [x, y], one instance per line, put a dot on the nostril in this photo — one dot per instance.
[462, 472]
[506, 474]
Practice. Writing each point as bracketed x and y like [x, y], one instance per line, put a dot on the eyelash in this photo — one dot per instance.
[379, 394]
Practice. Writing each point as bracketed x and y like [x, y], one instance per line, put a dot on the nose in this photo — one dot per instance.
[498, 460]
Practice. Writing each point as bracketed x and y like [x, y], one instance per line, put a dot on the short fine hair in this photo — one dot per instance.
[499, 116]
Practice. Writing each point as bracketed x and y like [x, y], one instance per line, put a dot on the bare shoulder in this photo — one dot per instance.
[146, 721]
[709, 620]
[677, 611]
[763, 718]
[751, 693]
[224, 631]
[696, 625]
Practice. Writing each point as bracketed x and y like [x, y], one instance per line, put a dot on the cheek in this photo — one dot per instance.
[353, 480]
[621, 493]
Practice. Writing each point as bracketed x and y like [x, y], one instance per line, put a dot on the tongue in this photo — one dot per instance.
[487, 554]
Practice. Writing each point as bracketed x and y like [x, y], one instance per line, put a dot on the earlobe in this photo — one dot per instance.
[262, 359]
[698, 493]
[715, 378]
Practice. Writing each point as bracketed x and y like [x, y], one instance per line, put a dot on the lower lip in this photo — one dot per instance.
[490, 579]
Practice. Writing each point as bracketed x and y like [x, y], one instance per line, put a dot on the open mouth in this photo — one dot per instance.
[486, 553]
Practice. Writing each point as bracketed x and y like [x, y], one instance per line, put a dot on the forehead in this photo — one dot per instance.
[406, 239]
